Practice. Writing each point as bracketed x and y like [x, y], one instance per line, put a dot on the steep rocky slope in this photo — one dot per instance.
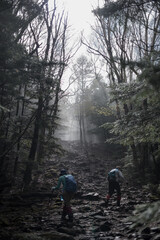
[35, 215]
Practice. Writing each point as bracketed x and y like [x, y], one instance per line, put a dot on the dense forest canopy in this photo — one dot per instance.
[121, 107]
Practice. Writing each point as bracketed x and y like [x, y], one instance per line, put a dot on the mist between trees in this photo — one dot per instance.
[118, 106]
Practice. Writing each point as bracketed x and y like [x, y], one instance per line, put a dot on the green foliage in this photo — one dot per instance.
[132, 43]
[105, 111]
[145, 214]
[151, 72]
[99, 111]
[154, 189]
[140, 124]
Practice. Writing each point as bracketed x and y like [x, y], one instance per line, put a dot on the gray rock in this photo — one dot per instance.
[26, 236]
[69, 231]
[146, 230]
[155, 229]
[146, 236]
[100, 218]
[157, 237]
[56, 236]
[91, 196]
[104, 227]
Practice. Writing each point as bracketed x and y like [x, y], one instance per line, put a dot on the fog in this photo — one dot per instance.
[69, 128]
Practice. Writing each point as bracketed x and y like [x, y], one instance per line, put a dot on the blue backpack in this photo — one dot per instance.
[71, 185]
[112, 175]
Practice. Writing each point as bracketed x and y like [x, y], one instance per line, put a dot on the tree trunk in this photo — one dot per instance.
[28, 172]
[135, 157]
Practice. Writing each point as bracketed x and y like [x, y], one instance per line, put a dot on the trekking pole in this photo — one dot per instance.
[61, 197]
[51, 197]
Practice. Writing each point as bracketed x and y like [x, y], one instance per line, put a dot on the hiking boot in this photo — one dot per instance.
[63, 218]
[118, 203]
[106, 203]
[70, 217]
[64, 213]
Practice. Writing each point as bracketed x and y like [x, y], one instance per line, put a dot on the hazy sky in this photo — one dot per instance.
[79, 12]
[80, 18]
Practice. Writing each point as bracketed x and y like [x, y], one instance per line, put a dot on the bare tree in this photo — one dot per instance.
[82, 72]
[53, 59]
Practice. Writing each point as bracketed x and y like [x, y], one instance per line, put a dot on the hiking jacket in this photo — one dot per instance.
[118, 175]
[61, 180]
[69, 183]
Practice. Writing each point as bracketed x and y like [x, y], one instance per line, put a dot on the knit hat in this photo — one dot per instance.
[63, 172]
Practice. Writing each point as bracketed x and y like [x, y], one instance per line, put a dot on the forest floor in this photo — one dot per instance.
[38, 217]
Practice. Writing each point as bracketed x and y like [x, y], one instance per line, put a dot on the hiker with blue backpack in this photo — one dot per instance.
[69, 189]
[115, 176]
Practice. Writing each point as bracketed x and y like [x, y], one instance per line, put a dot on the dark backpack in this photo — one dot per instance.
[71, 185]
[112, 176]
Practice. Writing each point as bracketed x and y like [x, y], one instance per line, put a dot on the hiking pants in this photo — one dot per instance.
[67, 210]
[67, 196]
[113, 185]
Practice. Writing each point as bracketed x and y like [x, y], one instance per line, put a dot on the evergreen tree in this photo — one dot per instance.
[128, 40]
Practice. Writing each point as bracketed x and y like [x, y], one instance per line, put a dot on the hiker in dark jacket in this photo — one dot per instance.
[115, 176]
[67, 194]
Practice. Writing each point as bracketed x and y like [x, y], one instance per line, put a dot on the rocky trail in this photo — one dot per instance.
[37, 216]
